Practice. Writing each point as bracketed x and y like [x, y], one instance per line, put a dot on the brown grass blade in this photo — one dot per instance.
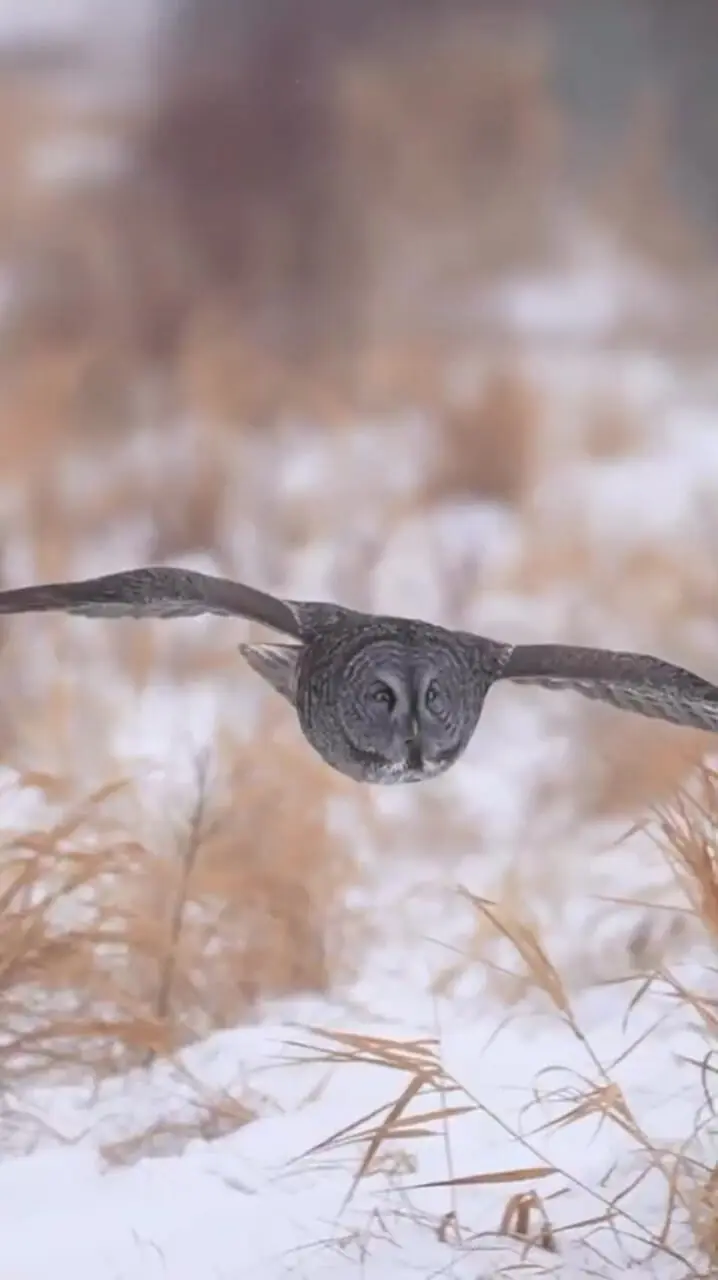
[488, 1179]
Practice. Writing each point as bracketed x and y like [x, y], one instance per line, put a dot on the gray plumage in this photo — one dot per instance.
[382, 699]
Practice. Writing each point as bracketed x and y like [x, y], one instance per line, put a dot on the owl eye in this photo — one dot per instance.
[383, 694]
[432, 696]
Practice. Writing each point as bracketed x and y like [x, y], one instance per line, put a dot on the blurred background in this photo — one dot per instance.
[405, 303]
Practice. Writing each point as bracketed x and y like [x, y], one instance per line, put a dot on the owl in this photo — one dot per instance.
[381, 699]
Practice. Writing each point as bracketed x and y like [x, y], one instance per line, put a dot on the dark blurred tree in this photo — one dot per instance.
[243, 146]
[244, 158]
[611, 56]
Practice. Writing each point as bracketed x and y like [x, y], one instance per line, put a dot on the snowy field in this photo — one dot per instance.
[539, 1073]
[258, 1022]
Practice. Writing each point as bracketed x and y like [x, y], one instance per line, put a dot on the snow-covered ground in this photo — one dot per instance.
[256, 1204]
[239, 1157]
[595, 1094]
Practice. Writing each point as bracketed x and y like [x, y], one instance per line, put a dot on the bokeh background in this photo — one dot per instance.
[406, 303]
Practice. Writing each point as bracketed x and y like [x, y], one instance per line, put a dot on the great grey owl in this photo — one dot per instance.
[381, 699]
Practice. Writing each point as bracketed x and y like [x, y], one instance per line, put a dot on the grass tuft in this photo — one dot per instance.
[686, 832]
[125, 937]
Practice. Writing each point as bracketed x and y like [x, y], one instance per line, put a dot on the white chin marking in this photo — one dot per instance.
[400, 773]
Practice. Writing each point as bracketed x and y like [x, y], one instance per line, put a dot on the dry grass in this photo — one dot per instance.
[704, 1208]
[636, 195]
[626, 765]
[430, 1098]
[274, 270]
[621, 765]
[471, 175]
[122, 940]
[646, 581]
[612, 430]
[210, 1118]
[687, 829]
[130, 928]
[29, 119]
[487, 446]
[246, 287]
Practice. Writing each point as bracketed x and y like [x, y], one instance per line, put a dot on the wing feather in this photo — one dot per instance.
[155, 592]
[634, 682]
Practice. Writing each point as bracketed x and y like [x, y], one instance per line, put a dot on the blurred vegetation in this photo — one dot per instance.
[288, 227]
[306, 183]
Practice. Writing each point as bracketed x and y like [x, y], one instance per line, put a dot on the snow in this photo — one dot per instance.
[255, 1201]
[254, 1204]
[259, 1200]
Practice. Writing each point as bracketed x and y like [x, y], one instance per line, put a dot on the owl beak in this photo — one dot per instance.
[413, 746]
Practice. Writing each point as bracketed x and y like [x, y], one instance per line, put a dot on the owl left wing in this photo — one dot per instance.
[630, 681]
[159, 591]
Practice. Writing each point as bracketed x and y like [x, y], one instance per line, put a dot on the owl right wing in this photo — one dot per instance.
[156, 592]
[629, 681]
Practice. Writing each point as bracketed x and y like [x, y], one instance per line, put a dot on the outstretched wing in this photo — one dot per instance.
[154, 593]
[630, 681]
